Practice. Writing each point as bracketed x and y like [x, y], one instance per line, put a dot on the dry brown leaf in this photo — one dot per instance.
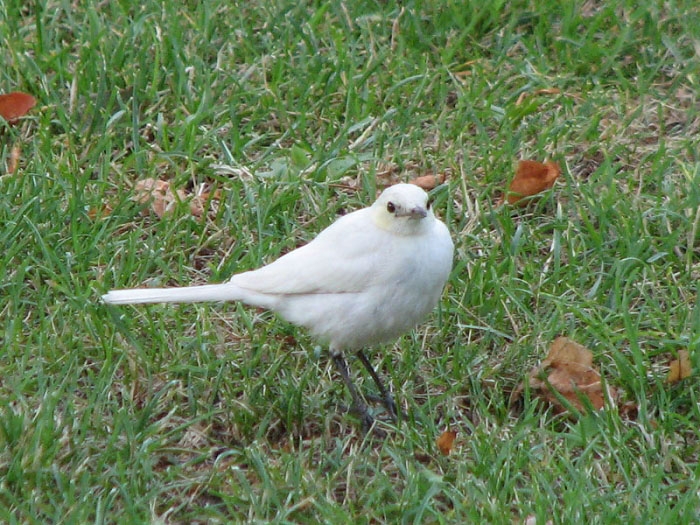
[99, 213]
[200, 198]
[428, 182]
[629, 410]
[15, 105]
[568, 372]
[157, 193]
[679, 368]
[528, 94]
[446, 441]
[531, 178]
[163, 199]
[197, 204]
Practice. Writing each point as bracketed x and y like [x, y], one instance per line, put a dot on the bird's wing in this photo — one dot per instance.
[343, 258]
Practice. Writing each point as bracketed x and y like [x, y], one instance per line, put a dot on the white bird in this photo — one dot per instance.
[368, 278]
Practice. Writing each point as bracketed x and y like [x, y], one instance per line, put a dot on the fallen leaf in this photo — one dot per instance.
[197, 204]
[200, 198]
[446, 441]
[428, 182]
[568, 373]
[99, 213]
[531, 178]
[629, 411]
[527, 94]
[679, 368]
[163, 199]
[15, 105]
[157, 193]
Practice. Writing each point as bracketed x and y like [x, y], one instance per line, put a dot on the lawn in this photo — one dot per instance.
[274, 118]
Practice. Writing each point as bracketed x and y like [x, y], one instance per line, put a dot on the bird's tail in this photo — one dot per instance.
[189, 294]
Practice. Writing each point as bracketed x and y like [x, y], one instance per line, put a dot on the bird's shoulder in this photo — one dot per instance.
[340, 259]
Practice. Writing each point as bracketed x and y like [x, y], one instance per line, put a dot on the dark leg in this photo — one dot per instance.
[359, 405]
[387, 399]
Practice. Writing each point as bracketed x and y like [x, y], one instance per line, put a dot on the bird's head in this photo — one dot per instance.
[403, 209]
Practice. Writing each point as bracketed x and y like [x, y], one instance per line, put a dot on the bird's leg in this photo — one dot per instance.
[387, 398]
[359, 404]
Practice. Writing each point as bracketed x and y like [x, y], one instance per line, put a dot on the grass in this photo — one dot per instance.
[298, 112]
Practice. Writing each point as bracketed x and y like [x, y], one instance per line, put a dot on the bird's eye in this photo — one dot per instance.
[429, 204]
[390, 207]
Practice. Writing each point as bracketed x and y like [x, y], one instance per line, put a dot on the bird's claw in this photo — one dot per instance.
[389, 404]
[367, 422]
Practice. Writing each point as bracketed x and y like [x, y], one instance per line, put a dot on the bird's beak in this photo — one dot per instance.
[419, 212]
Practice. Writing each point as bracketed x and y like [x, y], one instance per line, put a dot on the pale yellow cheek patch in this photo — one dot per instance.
[383, 219]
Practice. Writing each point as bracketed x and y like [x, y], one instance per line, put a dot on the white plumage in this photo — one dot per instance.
[366, 279]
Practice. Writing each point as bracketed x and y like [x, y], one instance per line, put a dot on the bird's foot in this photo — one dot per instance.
[389, 404]
[367, 421]
[359, 407]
